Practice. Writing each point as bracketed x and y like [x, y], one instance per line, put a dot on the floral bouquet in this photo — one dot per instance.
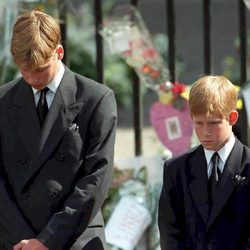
[128, 37]
[173, 93]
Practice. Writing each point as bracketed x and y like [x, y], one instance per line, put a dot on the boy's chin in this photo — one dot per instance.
[210, 147]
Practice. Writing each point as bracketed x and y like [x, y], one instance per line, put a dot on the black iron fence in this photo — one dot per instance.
[243, 125]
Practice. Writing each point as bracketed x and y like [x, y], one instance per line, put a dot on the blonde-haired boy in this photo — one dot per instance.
[57, 133]
[36, 36]
[205, 199]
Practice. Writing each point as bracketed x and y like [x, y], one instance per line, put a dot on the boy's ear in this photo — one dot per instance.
[233, 117]
[60, 52]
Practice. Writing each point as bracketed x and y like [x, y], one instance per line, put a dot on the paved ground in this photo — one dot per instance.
[124, 147]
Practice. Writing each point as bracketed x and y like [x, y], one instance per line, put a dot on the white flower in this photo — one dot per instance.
[239, 179]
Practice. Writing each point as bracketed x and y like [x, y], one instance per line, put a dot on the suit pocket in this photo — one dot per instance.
[96, 226]
[71, 145]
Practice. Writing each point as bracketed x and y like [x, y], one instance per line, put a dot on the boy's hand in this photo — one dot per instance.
[32, 244]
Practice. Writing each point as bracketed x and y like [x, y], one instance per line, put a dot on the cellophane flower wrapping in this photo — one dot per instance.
[128, 37]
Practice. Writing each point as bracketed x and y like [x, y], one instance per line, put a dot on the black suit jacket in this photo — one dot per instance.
[184, 219]
[53, 180]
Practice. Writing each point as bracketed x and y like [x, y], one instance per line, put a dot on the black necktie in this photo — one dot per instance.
[42, 106]
[216, 171]
[214, 178]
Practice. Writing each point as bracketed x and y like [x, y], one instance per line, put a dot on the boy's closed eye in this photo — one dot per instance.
[42, 69]
[209, 123]
[215, 122]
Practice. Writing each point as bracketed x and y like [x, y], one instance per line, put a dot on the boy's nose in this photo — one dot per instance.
[207, 132]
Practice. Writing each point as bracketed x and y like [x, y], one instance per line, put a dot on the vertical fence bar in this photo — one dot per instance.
[137, 107]
[171, 39]
[63, 27]
[99, 41]
[243, 43]
[207, 36]
[241, 129]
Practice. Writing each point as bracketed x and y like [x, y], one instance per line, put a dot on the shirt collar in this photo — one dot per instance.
[54, 84]
[223, 152]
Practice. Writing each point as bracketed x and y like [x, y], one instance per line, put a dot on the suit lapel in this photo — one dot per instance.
[198, 182]
[23, 116]
[62, 112]
[227, 183]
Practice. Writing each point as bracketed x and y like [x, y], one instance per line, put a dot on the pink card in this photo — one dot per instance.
[173, 126]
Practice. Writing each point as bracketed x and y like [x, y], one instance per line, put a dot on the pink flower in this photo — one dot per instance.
[127, 53]
[149, 53]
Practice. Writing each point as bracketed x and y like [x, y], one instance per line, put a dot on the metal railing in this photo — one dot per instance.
[170, 7]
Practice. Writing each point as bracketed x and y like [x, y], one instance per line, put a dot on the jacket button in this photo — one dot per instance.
[210, 246]
[25, 196]
[199, 236]
[54, 194]
[22, 160]
[59, 157]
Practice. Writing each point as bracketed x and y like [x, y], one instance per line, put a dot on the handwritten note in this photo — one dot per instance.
[127, 223]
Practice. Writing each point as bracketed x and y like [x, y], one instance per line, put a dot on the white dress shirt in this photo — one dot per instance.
[53, 86]
[223, 153]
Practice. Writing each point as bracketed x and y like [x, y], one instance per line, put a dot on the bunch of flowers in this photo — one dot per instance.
[173, 93]
[128, 37]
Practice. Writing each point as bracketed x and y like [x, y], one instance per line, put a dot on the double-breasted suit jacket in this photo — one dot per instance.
[54, 179]
[184, 218]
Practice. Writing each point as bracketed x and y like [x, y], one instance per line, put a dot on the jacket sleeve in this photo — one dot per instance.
[13, 226]
[92, 186]
[170, 219]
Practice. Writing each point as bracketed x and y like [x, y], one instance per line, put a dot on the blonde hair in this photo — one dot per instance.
[35, 38]
[212, 95]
